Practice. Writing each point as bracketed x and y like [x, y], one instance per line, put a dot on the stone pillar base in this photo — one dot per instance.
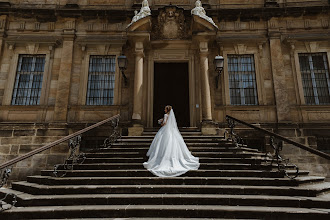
[209, 128]
[135, 130]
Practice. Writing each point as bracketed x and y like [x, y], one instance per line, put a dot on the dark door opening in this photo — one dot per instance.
[171, 87]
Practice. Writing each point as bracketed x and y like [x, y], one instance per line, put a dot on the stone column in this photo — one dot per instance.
[64, 78]
[208, 127]
[137, 128]
[281, 95]
[205, 83]
[138, 81]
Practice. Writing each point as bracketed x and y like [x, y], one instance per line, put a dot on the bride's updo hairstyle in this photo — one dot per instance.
[168, 108]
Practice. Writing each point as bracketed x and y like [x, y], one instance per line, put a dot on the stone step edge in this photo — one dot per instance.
[261, 181]
[194, 210]
[29, 197]
[311, 187]
[300, 180]
[199, 170]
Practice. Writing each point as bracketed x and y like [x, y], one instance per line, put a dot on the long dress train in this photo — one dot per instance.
[168, 153]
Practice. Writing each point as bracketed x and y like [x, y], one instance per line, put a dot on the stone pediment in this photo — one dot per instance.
[143, 24]
[170, 23]
[200, 25]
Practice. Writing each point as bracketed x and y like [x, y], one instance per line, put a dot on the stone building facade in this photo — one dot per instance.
[59, 70]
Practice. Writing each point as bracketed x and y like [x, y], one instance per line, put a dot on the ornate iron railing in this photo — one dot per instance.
[75, 157]
[276, 142]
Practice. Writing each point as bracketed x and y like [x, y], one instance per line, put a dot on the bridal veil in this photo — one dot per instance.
[168, 153]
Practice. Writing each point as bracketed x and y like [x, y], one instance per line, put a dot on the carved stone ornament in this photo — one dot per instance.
[200, 12]
[170, 24]
[144, 12]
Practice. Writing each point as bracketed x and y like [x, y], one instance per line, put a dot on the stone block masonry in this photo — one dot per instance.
[19, 139]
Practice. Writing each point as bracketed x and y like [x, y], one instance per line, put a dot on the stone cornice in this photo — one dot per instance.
[50, 12]
[51, 40]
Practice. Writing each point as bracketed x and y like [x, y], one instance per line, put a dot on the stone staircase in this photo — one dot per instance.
[231, 183]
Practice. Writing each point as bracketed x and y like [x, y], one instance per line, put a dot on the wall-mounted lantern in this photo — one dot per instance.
[122, 63]
[218, 63]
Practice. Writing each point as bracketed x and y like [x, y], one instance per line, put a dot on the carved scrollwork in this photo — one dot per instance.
[170, 24]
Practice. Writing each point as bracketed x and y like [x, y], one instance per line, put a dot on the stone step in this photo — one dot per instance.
[118, 148]
[183, 133]
[180, 129]
[187, 140]
[205, 166]
[180, 211]
[148, 218]
[189, 144]
[256, 181]
[37, 189]
[192, 173]
[201, 137]
[130, 154]
[25, 199]
[201, 159]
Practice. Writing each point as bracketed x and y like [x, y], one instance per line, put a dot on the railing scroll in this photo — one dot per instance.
[276, 142]
[75, 157]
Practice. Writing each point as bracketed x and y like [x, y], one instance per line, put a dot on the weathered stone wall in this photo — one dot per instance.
[316, 165]
[19, 139]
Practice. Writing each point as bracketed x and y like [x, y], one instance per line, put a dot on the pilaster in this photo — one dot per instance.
[277, 65]
[63, 88]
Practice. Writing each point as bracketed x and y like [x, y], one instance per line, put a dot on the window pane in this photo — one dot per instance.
[101, 80]
[315, 78]
[28, 83]
[242, 80]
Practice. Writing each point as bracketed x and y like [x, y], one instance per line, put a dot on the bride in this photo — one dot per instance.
[168, 153]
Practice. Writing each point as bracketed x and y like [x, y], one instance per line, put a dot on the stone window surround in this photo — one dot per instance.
[243, 98]
[259, 78]
[84, 77]
[300, 89]
[12, 74]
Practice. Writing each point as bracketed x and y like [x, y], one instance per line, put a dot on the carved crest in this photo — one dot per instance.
[170, 24]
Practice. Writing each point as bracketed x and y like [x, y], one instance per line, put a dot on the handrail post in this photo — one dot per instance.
[4, 176]
[232, 136]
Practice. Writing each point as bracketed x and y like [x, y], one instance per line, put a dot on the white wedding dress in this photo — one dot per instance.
[168, 153]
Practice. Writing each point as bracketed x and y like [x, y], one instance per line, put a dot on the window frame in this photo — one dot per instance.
[313, 79]
[298, 74]
[114, 83]
[45, 86]
[19, 66]
[259, 77]
[243, 97]
[84, 79]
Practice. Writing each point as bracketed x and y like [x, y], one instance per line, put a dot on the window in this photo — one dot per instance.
[242, 80]
[29, 75]
[101, 80]
[315, 78]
